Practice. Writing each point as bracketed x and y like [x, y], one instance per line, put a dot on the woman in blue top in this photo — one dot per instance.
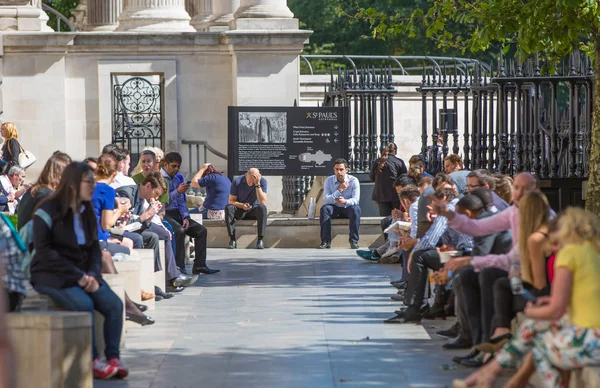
[217, 191]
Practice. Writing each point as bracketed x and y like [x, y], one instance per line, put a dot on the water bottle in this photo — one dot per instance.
[516, 283]
[311, 209]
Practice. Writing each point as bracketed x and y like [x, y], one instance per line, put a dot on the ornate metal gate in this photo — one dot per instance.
[137, 113]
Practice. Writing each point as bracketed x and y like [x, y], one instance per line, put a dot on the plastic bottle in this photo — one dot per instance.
[311, 209]
[516, 283]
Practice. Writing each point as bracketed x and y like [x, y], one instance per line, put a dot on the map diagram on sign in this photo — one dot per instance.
[318, 157]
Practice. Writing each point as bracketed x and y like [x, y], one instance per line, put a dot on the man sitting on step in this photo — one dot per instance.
[341, 192]
[247, 201]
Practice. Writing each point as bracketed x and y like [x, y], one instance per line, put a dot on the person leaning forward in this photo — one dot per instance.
[247, 201]
[342, 196]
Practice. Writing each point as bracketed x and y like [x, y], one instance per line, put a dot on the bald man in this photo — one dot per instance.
[247, 200]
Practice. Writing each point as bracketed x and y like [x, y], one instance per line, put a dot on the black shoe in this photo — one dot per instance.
[405, 317]
[458, 343]
[184, 280]
[353, 245]
[436, 312]
[325, 245]
[474, 362]
[473, 353]
[174, 289]
[142, 307]
[422, 311]
[401, 285]
[452, 332]
[205, 270]
[161, 293]
[260, 244]
[232, 244]
[158, 298]
[399, 297]
[139, 319]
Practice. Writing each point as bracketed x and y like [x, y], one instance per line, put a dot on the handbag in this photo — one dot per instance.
[26, 158]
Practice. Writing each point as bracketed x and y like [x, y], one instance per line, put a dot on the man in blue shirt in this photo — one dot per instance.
[342, 196]
[247, 200]
[178, 217]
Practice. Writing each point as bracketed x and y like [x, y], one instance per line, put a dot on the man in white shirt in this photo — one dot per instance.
[123, 157]
[342, 197]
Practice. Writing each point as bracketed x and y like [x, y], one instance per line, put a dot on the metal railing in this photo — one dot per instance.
[197, 144]
[401, 65]
[60, 18]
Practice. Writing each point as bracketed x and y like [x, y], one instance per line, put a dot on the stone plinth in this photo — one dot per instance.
[54, 349]
[130, 272]
[146, 274]
[159, 276]
[154, 16]
[23, 15]
[116, 283]
[263, 9]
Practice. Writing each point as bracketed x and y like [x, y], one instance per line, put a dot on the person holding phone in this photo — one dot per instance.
[247, 200]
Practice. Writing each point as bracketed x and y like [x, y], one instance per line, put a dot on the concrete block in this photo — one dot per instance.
[130, 271]
[147, 280]
[294, 233]
[54, 349]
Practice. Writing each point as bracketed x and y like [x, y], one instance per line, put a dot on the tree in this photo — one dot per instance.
[554, 27]
[63, 6]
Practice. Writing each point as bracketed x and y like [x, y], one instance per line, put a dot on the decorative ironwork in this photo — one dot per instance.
[137, 115]
[527, 116]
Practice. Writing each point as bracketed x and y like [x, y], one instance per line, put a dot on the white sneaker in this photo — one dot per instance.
[392, 250]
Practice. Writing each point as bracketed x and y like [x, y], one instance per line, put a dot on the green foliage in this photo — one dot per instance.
[64, 7]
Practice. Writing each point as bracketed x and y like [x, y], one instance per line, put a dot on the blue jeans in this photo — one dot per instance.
[105, 301]
[329, 212]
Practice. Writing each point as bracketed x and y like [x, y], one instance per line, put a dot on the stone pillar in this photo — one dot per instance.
[203, 13]
[103, 15]
[23, 15]
[222, 14]
[264, 15]
[154, 16]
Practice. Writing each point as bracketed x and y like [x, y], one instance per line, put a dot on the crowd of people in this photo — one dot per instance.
[486, 247]
[482, 247]
[81, 217]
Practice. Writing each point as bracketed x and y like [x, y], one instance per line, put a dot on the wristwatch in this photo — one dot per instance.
[257, 186]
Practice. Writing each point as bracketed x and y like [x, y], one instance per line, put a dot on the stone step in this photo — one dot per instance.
[292, 233]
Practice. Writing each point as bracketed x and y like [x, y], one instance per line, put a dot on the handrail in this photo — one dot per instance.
[206, 146]
[60, 17]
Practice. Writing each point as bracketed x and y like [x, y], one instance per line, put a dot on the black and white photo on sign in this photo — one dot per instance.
[263, 127]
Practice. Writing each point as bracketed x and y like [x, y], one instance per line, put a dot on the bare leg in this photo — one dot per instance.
[521, 378]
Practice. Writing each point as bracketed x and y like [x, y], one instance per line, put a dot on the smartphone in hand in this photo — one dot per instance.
[528, 296]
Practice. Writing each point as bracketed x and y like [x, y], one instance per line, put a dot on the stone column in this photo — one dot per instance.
[154, 16]
[103, 15]
[23, 15]
[264, 15]
[203, 14]
[222, 14]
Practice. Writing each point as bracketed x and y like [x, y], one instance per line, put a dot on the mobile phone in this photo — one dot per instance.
[528, 296]
[188, 182]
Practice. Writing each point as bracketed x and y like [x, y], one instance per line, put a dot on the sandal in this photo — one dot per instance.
[494, 344]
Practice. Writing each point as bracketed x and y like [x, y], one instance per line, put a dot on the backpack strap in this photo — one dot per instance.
[44, 216]
[16, 236]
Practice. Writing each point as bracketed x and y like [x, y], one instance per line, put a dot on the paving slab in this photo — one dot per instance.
[286, 318]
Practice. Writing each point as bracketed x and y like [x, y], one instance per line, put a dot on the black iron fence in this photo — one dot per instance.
[529, 115]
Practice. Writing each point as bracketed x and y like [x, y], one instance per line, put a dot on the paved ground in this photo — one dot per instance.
[286, 318]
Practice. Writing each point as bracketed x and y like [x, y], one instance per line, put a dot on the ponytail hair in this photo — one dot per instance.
[391, 148]
[107, 166]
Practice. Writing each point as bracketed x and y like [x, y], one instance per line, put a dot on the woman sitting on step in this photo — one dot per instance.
[67, 263]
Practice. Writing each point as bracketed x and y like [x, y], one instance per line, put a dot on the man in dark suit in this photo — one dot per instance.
[144, 208]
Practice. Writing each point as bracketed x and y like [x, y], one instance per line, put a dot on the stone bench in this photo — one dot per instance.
[293, 233]
[53, 348]
[147, 278]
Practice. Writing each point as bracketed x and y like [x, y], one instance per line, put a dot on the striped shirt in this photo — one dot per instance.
[439, 231]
